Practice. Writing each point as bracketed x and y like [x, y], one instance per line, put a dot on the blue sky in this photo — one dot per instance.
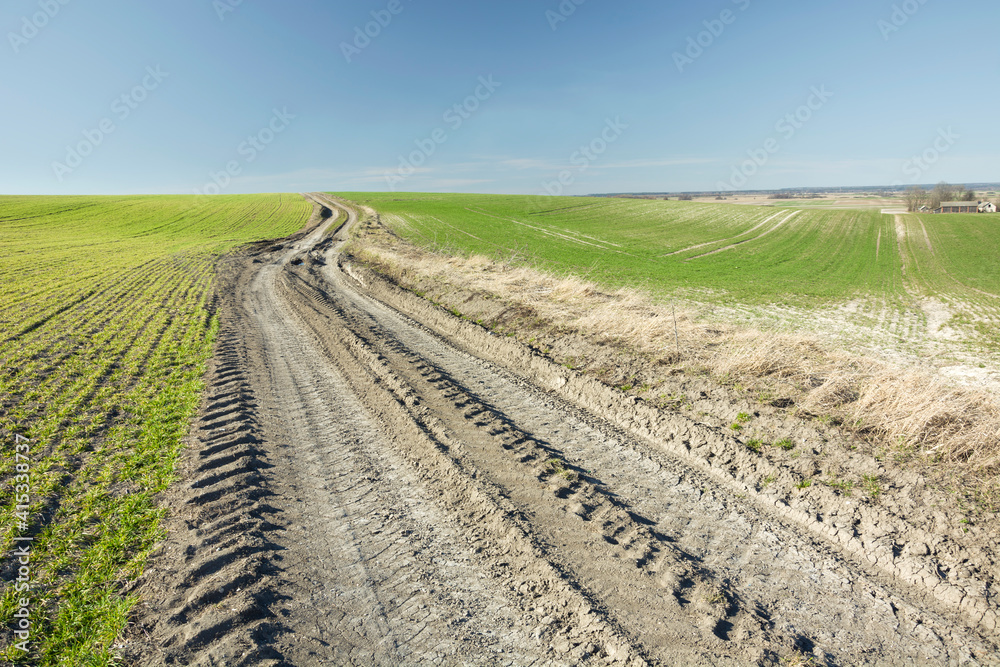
[108, 96]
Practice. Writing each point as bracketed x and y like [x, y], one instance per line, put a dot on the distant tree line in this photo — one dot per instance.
[942, 192]
[793, 195]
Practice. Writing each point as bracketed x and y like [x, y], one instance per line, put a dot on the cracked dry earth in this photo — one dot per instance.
[364, 490]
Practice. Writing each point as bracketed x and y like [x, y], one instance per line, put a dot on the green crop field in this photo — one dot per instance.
[751, 254]
[104, 332]
[956, 260]
[729, 254]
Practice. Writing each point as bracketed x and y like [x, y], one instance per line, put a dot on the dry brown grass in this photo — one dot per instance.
[893, 408]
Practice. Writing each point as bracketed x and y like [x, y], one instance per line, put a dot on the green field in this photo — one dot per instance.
[106, 324]
[728, 254]
[815, 256]
[956, 260]
[105, 327]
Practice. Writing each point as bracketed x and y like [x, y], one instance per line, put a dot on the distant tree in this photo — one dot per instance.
[968, 195]
[915, 197]
[686, 198]
[942, 192]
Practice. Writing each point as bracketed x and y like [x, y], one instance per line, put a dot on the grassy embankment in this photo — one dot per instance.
[611, 266]
[104, 333]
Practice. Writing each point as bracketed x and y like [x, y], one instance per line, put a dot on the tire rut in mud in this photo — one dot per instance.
[653, 593]
[216, 597]
[765, 600]
[300, 538]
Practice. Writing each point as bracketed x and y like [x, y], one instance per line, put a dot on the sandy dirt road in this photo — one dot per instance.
[364, 490]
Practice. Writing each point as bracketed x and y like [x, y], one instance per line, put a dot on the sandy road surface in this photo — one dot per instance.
[364, 491]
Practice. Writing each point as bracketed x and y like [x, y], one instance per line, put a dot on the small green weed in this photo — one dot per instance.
[844, 486]
[714, 596]
[556, 466]
[798, 659]
[872, 485]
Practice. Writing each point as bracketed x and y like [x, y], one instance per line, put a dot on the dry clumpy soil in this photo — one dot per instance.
[374, 481]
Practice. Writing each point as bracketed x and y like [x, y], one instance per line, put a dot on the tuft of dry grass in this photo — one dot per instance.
[917, 410]
[889, 406]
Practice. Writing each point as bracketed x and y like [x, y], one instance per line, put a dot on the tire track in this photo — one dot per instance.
[311, 543]
[218, 602]
[851, 549]
[702, 245]
[755, 238]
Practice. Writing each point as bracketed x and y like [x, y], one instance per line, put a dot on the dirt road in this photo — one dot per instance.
[364, 490]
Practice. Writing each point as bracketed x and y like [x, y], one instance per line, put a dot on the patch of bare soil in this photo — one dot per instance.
[373, 480]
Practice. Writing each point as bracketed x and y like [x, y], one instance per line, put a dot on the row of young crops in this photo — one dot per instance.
[105, 327]
[736, 253]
